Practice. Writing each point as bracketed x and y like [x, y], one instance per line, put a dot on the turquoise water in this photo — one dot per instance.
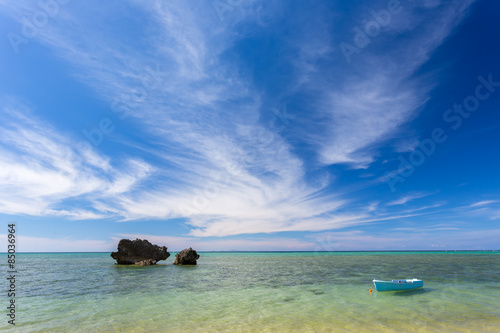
[258, 292]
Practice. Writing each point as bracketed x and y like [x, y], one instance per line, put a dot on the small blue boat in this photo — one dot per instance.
[395, 285]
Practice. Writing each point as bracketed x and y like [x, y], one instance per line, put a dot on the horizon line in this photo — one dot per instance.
[237, 251]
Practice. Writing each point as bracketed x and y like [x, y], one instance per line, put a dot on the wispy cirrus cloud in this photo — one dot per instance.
[409, 197]
[213, 158]
[367, 103]
[487, 208]
[209, 146]
[484, 203]
[40, 168]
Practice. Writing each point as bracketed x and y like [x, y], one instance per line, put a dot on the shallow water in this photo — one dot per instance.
[259, 292]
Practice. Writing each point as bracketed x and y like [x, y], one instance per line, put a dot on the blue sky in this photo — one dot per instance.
[251, 125]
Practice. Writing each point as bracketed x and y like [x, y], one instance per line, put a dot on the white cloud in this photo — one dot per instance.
[218, 164]
[485, 208]
[379, 92]
[363, 113]
[406, 145]
[226, 171]
[407, 198]
[483, 203]
[40, 168]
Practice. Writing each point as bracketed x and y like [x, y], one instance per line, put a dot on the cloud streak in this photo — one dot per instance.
[213, 156]
[373, 102]
[240, 159]
[39, 169]
[407, 198]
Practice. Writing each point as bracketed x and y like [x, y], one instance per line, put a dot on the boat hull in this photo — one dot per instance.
[397, 285]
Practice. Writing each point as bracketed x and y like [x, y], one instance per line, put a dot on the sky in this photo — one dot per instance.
[250, 125]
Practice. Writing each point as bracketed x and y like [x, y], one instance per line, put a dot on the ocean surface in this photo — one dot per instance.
[257, 292]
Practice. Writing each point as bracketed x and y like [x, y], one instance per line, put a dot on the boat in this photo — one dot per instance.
[395, 285]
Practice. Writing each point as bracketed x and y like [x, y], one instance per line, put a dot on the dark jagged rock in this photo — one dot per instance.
[139, 252]
[186, 257]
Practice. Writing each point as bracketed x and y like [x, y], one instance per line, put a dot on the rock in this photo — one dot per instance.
[146, 262]
[186, 257]
[139, 252]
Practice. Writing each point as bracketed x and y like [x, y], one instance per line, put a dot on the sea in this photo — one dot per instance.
[255, 292]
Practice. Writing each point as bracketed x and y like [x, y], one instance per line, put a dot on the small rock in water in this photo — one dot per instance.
[186, 257]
